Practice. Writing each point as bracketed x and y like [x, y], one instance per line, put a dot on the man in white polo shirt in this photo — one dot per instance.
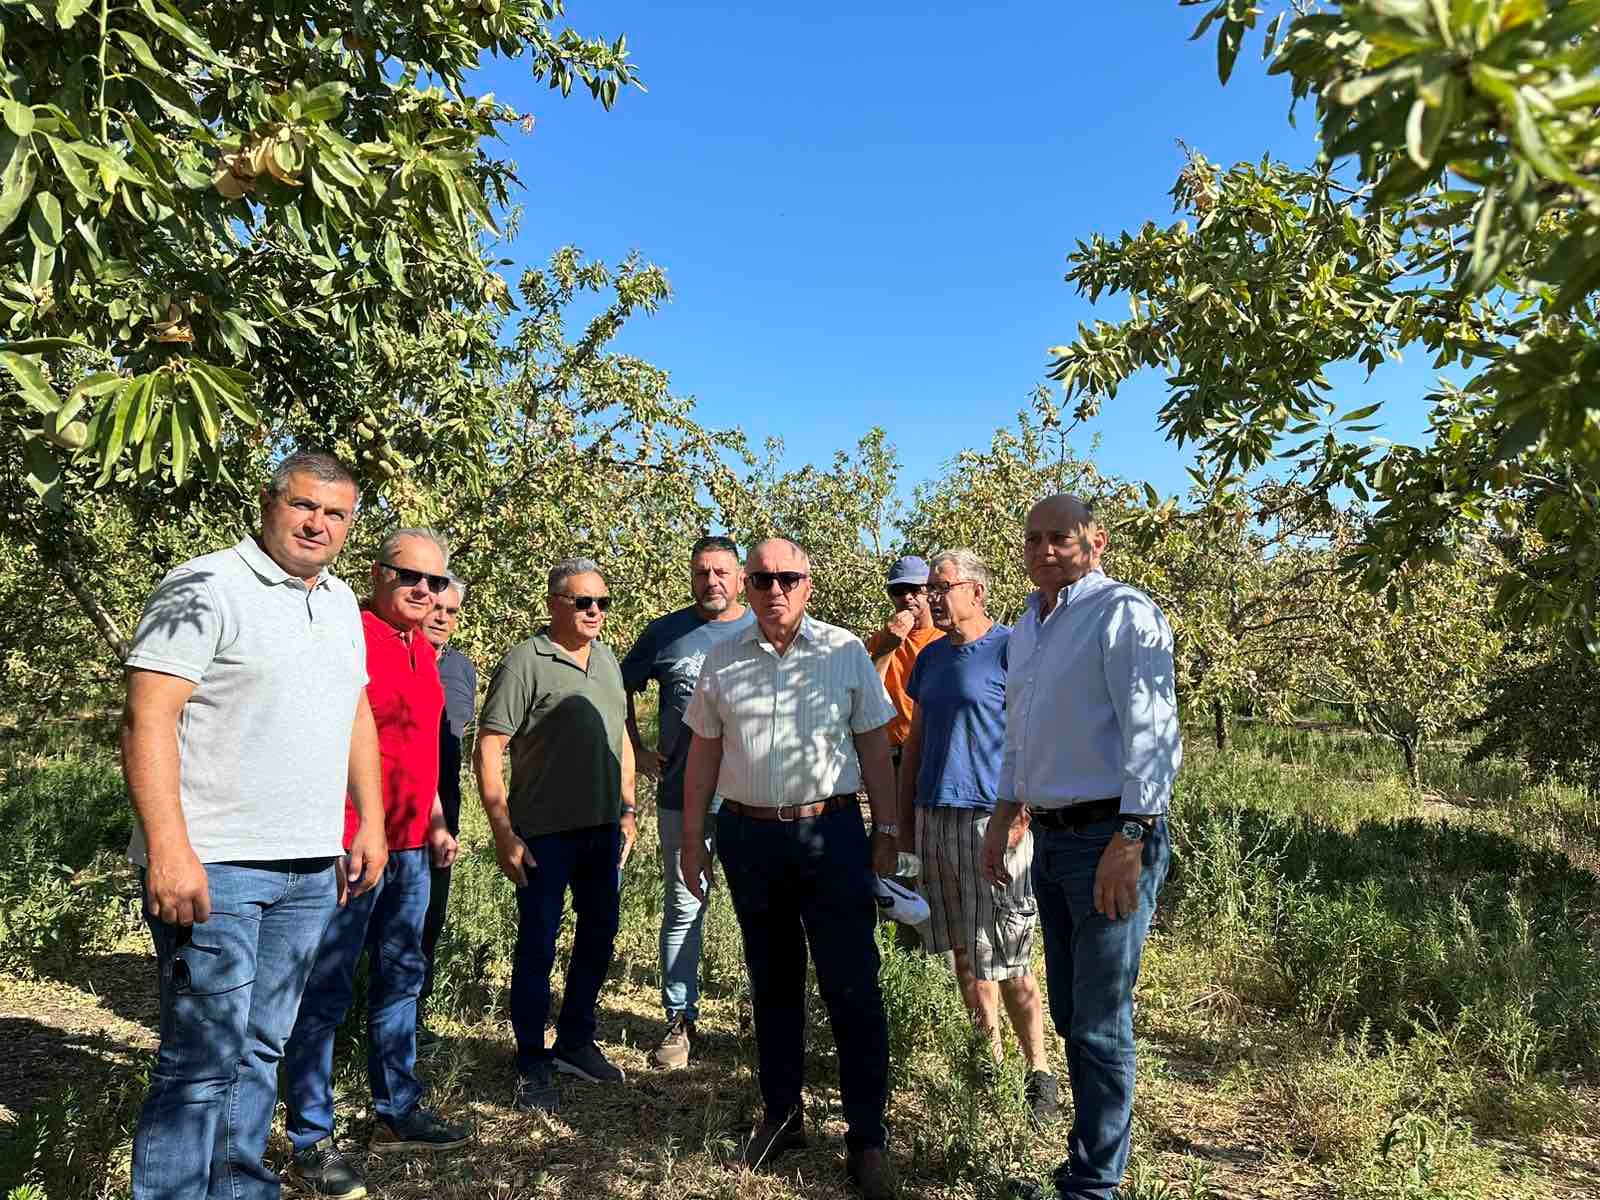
[789, 719]
[246, 722]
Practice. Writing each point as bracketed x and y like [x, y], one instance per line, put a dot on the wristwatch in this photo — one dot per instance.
[1132, 829]
[890, 830]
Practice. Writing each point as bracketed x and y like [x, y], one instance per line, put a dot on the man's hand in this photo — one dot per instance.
[442, 845]
[1018, 828]
[364, 863]
[1116, 880]
[996, 840]
[514, 857]
[885, 854]
[695, 867]
[898, 627]
[176, 888]
[649, 763]
[630, 834]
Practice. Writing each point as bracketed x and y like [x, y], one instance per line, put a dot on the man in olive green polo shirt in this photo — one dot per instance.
[558, 702]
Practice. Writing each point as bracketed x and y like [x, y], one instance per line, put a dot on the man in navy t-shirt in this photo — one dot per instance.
[949, 780]
[670, 651]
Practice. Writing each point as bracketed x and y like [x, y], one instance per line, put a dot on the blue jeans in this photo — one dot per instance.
[229, 990]
[795, 883]
[584, 860]
[1091, 965]
[682, 918]
[388, 921]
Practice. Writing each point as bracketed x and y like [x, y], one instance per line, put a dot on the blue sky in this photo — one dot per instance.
[865, 209]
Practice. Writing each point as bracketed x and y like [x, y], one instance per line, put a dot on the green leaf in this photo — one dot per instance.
[44, 472]
[140, 49]
[121, 410]
[181, 436]
[169, 20]
[16, 181]
[205, 407]
[32, 384]
[44, 344]
[72, 167]
[18, 117]
[44, 222]
[68, 11]
[323, 103]
[1358, 414]
[393, 261]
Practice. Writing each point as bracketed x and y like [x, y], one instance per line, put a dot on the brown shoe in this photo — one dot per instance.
[673, 1052]
[872, 1172]
[772, 1140]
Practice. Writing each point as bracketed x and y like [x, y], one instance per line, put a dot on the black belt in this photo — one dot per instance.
[790, 812]
[1076, 816]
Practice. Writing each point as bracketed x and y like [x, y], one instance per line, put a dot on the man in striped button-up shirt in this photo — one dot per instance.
[789, 720]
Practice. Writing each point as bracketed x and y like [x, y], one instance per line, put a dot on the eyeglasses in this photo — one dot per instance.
[762, 581]
[901, 590]
[408, 578]
[941, 590]
[585, 603]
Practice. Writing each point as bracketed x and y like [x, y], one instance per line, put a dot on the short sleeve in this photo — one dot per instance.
[513, 689]
[871, 705]
[181, 629]
[704, 715]
[638, 667]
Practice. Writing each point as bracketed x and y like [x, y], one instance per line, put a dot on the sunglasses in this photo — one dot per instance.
[585, 603]
[940, 590]
[408, 578]
[762, 581]
[901, 590]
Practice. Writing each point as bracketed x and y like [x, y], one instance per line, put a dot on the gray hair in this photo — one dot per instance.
[805, 559]
[390, 544]
[321, 466]
[967, 564]
[460, 586]
[567, 568]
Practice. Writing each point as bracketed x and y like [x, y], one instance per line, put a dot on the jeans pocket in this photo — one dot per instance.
[214, 956]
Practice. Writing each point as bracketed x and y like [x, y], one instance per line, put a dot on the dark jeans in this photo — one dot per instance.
[1092, 964]
[584, 860]
[229, 990]
[794, 883]
[388, 921]
[432, 927]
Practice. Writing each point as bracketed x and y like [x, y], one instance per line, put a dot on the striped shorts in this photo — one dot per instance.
[993, 925]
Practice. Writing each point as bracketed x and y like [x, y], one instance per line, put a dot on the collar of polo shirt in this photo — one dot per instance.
[807, 630]
[259, 561]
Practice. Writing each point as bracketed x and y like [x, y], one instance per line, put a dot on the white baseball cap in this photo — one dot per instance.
[899, 902]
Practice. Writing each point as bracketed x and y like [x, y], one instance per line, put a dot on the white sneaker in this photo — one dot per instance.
[899, 902]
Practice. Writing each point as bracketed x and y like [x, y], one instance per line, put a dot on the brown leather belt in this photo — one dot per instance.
[1076, 816]
[790, 812]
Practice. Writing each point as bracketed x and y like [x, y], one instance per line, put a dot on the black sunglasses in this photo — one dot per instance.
[906, 589]
[762, 581]
[406, 577]
[584, 603]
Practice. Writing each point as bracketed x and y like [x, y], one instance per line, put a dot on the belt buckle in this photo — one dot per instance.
[789, 819]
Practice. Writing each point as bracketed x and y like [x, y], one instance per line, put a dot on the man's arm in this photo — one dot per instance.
[629, 822]
[910, 762]
[369, 849]
[649, 761]
[1137, 657]
[176, 888]
[872, 748]
[442, 845]
[700, 773]
[488, 764]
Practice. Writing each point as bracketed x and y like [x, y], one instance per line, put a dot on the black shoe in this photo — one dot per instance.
[586, 1062]
[772, 1139]
[1043, 1098]
[323, 1170]
[873, 1174]
[419, 1131]
[538, 1090]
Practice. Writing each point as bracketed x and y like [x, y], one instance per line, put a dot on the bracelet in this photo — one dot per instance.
[628, 810]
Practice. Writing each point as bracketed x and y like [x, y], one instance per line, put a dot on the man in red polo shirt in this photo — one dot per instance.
[407, 700]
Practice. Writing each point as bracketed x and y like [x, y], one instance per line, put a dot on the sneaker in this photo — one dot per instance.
[420, 1130]
[323, 1170]
[586, 1062]
[538, 1090]
[772, 1140]
[681, 1037]
[1043, 1098]
[873, 1174]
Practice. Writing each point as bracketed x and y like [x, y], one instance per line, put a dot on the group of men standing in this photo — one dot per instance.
[1027, 769]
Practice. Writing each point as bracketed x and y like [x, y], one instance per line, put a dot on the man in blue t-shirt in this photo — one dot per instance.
[670, 651]
[949, 780]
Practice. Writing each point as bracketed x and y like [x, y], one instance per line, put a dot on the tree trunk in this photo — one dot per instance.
[1409, 746]
[1219, 719]
[59, 555]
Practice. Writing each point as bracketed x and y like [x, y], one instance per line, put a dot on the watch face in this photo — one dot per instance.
[1132, 830]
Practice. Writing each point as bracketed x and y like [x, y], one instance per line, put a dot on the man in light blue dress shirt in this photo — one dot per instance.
[1092, 747]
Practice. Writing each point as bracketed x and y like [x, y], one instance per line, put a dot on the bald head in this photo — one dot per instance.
[1063, 541]
[778, 550]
